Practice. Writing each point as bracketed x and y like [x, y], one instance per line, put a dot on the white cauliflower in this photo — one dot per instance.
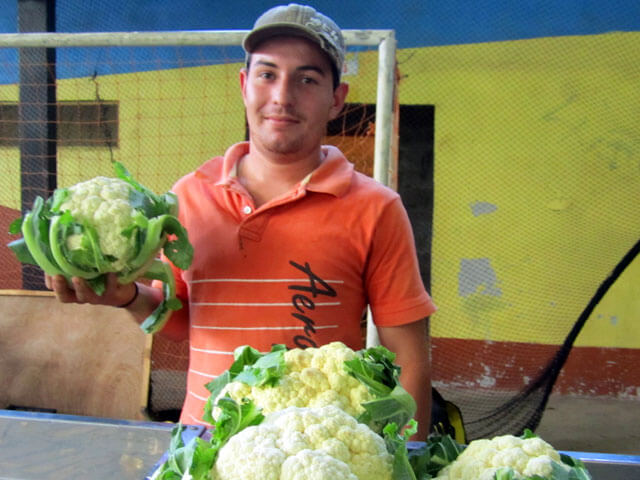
[483, 458]
[104, 203]
[305, 444]
[314, 377]
[107, 225]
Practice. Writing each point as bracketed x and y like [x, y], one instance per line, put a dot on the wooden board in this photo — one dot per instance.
[74, 359]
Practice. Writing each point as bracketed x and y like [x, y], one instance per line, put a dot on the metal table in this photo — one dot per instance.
[44, 446]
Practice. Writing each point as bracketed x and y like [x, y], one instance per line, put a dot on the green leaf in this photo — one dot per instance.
[15, 226]
[396, 407]
[198, 456]
[375, 369]
[160, 270]
[396, 443]
[255, 368]
[21, 251]
[178, 249]
[265, 371]
[433, 455]
[35, 231]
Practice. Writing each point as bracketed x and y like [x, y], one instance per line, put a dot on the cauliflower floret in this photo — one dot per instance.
[315, 377]
[537, 447]
[305, 443]
[315, 465]
[104, 203]
[513, 457]
[539, 466]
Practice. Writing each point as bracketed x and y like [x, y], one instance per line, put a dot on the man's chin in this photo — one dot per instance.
[283, 147]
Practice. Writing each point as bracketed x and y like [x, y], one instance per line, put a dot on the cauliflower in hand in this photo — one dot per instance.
[305, 444]
[107, 225]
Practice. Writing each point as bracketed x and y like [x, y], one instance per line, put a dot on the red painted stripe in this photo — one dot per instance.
[513, 365]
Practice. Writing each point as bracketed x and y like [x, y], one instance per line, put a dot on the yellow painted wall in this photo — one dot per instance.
[537, 174]
[9, 160]
[171, 121]
[537, 170]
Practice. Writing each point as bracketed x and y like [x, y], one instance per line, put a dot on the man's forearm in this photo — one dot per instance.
[411, 345]
[146, 301]
[416, 379]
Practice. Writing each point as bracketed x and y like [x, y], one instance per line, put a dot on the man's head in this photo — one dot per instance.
[301, 21]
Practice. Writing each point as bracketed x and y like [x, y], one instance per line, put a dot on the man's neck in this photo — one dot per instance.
[269, 176]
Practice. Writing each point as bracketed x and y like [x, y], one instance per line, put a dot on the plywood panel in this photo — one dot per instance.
[75, 359]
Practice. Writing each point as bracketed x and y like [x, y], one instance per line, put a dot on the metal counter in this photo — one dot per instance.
[44, 446]
[605, 466]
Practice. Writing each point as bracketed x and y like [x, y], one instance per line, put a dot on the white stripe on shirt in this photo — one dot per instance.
[257, 280]
[202, 374]
[215, 352]
[199, 397]
[297, 327]
[257, 304]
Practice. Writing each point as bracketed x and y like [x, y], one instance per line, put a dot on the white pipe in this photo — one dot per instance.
[148, 39]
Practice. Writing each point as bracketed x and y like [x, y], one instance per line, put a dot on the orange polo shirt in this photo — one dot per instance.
[299, 270]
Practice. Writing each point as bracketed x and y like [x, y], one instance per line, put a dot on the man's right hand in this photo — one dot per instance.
[79, 291]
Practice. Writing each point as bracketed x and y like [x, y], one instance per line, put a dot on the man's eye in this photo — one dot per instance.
[309, 80]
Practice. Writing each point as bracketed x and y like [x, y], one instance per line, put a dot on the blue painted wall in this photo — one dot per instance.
[417, 22]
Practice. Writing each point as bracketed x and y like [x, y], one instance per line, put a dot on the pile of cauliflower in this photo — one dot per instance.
[298, 415]
[305, 444]
[313, 377]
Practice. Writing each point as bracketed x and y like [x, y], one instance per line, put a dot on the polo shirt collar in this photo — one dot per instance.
[333, 176]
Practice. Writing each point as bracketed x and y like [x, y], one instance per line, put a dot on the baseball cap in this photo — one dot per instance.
[302, 21]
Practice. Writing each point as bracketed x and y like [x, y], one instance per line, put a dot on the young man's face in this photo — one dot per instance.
[289, 97]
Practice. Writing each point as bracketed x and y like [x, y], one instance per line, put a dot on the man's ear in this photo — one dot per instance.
[339, 96]
[244, 73]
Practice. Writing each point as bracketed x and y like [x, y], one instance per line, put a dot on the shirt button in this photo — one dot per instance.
[247, 209]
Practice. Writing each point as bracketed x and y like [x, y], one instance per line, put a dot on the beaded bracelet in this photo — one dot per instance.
[135, 296]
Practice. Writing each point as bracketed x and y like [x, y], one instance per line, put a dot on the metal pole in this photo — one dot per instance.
[383, 136]
[36, 117]
[370, 38]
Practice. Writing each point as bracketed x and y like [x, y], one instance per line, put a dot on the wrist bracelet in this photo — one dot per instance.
[135, 296]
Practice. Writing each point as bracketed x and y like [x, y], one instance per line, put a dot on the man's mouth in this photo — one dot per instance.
[282, 119]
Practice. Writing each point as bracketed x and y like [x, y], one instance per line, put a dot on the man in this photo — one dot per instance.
[291, 244]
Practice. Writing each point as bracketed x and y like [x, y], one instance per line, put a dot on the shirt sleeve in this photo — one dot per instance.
[395, 290]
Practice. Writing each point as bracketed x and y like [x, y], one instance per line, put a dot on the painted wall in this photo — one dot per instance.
[537, 148]
[536, 167]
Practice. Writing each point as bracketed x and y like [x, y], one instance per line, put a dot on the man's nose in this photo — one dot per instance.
[283, 93]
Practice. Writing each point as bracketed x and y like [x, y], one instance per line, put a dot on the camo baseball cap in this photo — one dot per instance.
[303, 21]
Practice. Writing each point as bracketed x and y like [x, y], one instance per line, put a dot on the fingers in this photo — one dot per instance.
[77, 290]
[60, 286]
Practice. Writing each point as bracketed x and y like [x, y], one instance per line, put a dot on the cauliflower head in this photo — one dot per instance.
[104, 203]
[314, 377]
[106, 225]
[303, 443]
[483, 458]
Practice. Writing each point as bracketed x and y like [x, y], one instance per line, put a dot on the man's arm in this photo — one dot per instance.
[411, 344]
